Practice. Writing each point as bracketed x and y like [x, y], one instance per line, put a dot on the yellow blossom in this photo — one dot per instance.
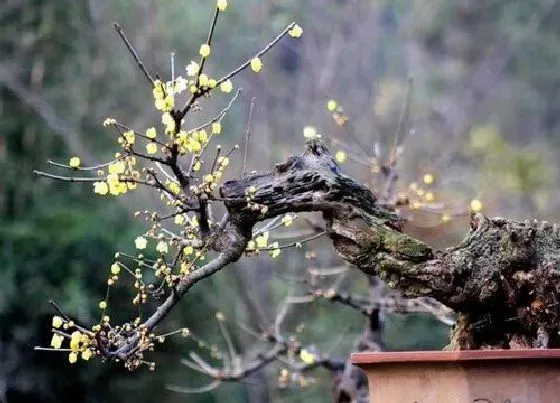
[287, 220]
[429, 196]
[74, 162]
[101, 188]
[307, 357]
[296, 31]
[226, 86]
[115, 269]
[158, 90]
[102, 305]
[212, 83]
[169, 123]
[331, 105]
[251, 245]
[179, 219]
[140, 242]
[340, 157]
[174, 187]
[203, 80]
[476, 205]
[262, 240]
[197, 165]
[165, 104]
[151, 148]
[202, 136]
[75, 340]
[192, 68]
[57, 322]
[223, 161]
[151, 133]
[309, 132]
[275, 252]
[109, 122]
[73, 357]
[204, 50]
[129, 136]
[117, 167]
[56, 341]
[188, 250]
[86, 354]
[222, 5]
[161, 247]
[208, 178]
[216, 128]
[256, 64]
[429, 179]
[445, 217]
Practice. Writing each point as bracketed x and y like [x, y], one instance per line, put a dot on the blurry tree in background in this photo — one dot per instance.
[482, 120]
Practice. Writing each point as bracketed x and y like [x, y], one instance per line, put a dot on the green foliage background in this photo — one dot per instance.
[485, 120]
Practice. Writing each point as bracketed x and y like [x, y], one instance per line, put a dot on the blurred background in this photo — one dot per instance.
[483, 121]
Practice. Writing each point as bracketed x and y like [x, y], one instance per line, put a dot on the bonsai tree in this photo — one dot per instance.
[501, 280]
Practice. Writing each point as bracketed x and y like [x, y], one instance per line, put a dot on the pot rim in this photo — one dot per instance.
[453, 356]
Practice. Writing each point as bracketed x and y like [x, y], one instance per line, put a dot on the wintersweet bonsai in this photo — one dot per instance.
[502, 279]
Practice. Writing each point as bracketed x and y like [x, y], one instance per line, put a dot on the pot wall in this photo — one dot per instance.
[496, 376]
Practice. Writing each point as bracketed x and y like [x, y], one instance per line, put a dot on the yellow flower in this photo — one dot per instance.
[151, 148]
[129, 136]
[340, 157]
[73, 357]
[109, 122]
[202, 136]
[158, 90]
[102, 305]
[222, 5]
[74, 162]
[296, 31]
[192, 68]
[212, 83]
[188, 250]
[179, 85]
[223, 161]
[196, 167]
[287, 220]
[101, 188]
[445, 217]
[204, 50]
[86, 354]
[309, 132]
[429, 179]
[169, 123]
[226, 86]
[208, 178]
[179, 219]
[262, 240]
[429, 196]
[75, 340]
[275, 252]
[117, 167]
[151, 133]
[165, 104]
[331, 105]
[256, 64]
[57, 322]
[115, 269]
[216, 128]
[476, 205]
[203, 80]
[307, 357]
[174, 187]
[161, 247]
[56, 341]
[140, 242]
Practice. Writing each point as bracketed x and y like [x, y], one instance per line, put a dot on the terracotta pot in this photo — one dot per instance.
[484, 376]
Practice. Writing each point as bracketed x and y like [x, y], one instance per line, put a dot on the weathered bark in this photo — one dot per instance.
[502, 278]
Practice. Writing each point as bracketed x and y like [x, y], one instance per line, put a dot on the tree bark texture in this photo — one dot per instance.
[502, 279]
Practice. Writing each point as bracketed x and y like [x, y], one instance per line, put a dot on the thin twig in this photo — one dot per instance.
[133, 53]
[247, 136]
